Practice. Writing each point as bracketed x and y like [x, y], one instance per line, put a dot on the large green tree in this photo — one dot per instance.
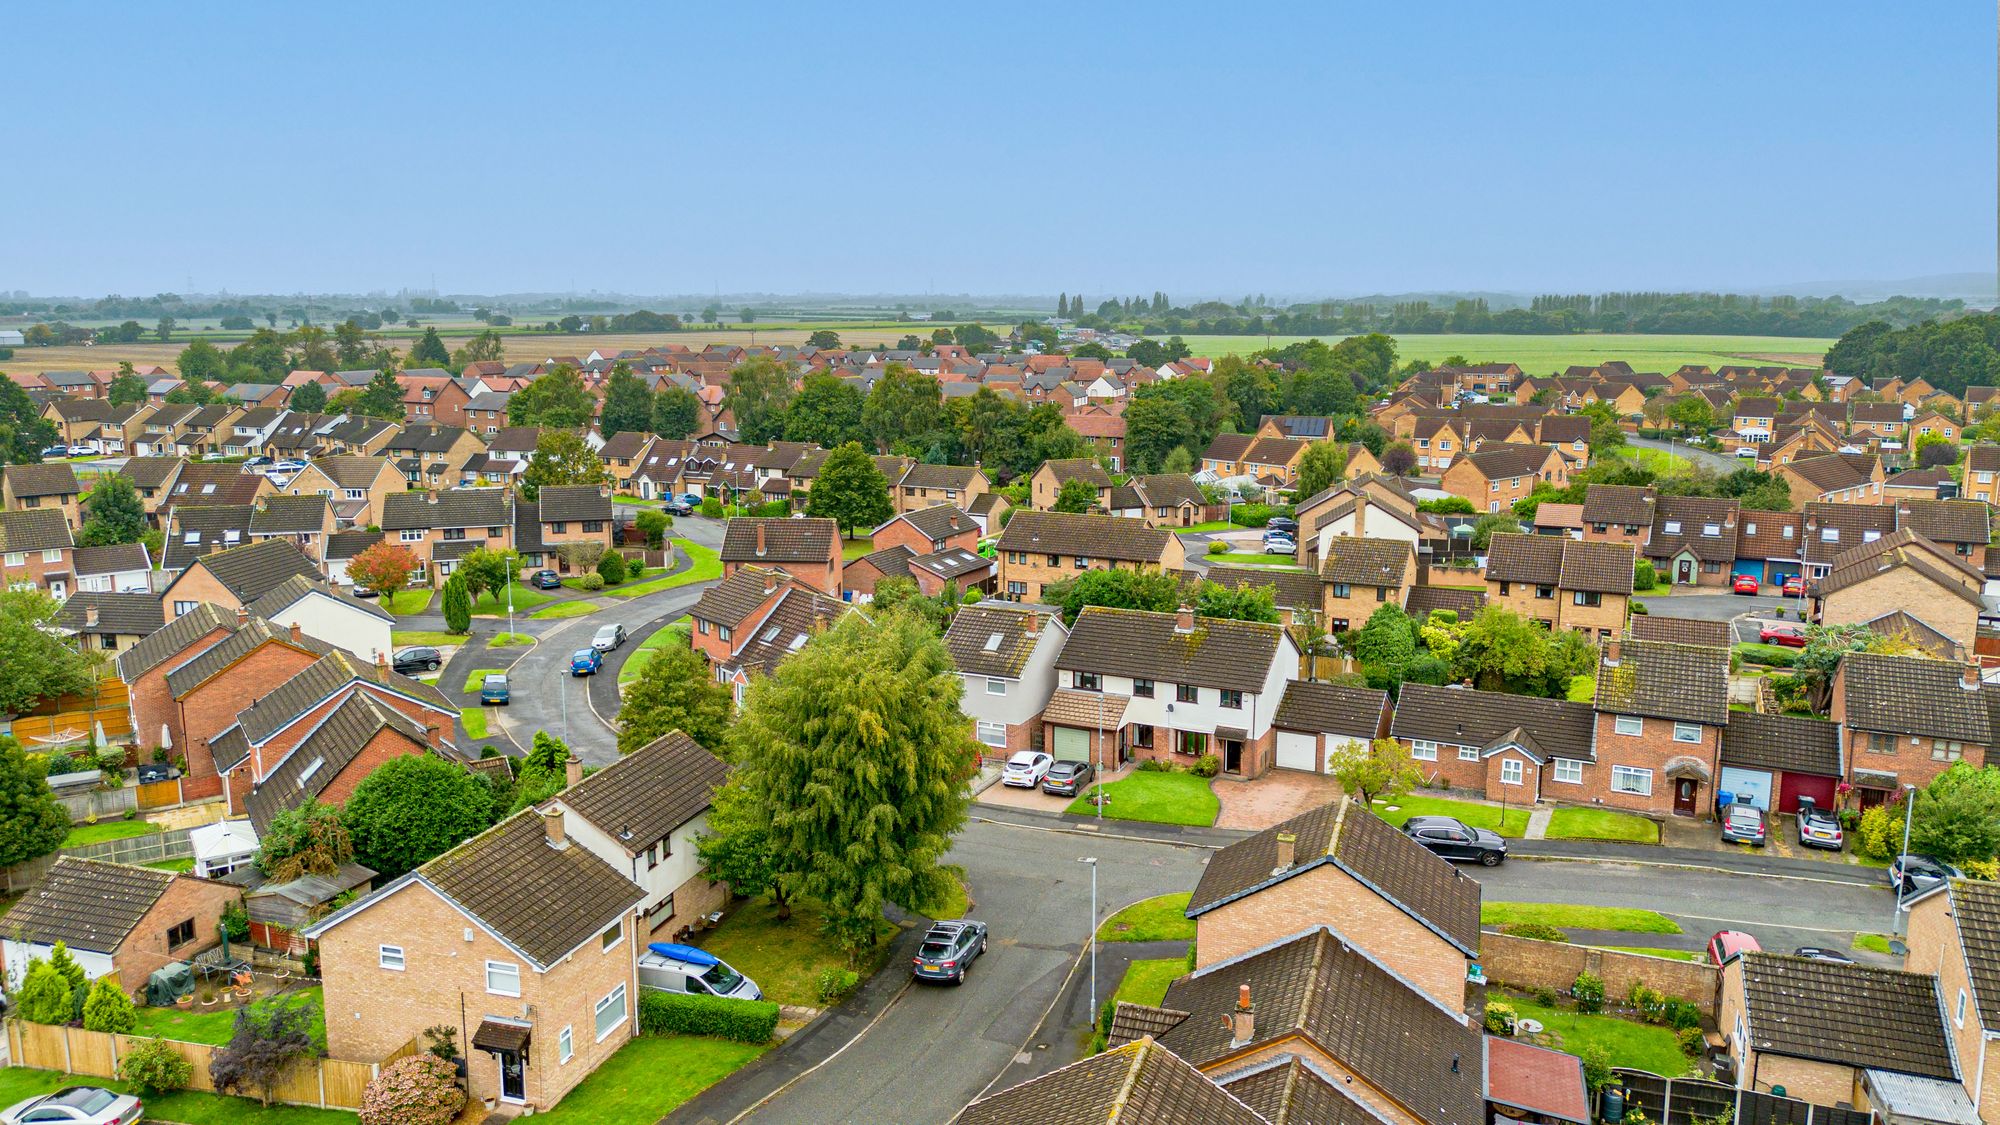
[759, 391]
[309, 398]
[429, 351]
[1957, 816]
[1321, 467]
[1500, 650]
[676, 412]
[561, 457]
[628, 405]
[413, 809]
[1118, 589]
[1076, 496]
[32, 822]
[675, 691]
[557, 398]
[307, 839]
[903, 405]
[488, 568]
[382, 397]
[36, 661]
[850, 490]
[113, 513]
[127, 389]
[24, 433]
[201, 362]
[826, 412]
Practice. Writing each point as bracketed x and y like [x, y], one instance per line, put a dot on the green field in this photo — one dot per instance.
[1544, 355]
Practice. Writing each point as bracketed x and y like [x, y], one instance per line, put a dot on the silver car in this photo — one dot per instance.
[76, 1105]
[608, 638]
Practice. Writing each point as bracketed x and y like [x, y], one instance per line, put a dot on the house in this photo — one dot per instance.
[753, 618]
[432, 396]
[1047, 481]
[1500, 474]
[1905, 719]
[1919, 484]
[442, 527]
[622, 453]
[110, 622]
[1160, 499]
[1771, 761]
[925, 531]
[206, 485]
[1161, 1087]
[1829, 530]
[303, 521]
[1359, 576]
[36, 549]
[1006, 654]
[344, 743]
[358, 487]
[1982, 463]
[1296, 594]
[117, 919]
[49, 485]
[122, 567]
[326, 612]
[1514, 748]
[1907, 572]
[152, 478]
[860, 576]
[1661, 708]
[1038, 548]
[431, 456]
[987, 509]
[1770, 545]
[1618, 513]
[1563, 583]
[195, 530]
[1315, 720]
[1962, 527]
[1138, 684]
[806, 549]
[922, 485]
[521, 938]
[568, 521]
[1692, 540]
[1367, 507]
[236, 576]
[1834, 478]
[1954, 936]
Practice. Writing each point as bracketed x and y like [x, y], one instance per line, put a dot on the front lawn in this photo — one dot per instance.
[187, 1107]
[81, 834]
[1637, 1045]
[1162, 798]
[1602, 824]
[473, 719]
[957, 902]
[1669, 954]
[510, 640]
[493, 603]
[564, 609]
[431, 637]
[1873, 943]
[1154, 919]
[784, 958]
[851, 549]
[477, 677]
[649, 1077]
[408, 603]
[676, 632]
[213, 1026]
[1146, 981]
[1245, 558]
[1570, 916]
[704, 565]
[1396, 810]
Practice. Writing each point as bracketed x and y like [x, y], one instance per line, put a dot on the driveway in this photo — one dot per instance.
[1277, 796]
[1714, 607]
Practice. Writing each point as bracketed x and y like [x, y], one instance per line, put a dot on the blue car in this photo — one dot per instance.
[585, 662]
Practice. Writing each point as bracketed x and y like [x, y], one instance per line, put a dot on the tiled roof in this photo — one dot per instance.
[922, 475]
[319, 682]
[572, 502]
[1754, 740]
[1071, 534]
[213, 526]
[127, 614]
[150, 472]
[1947, 521]
[1831, 472]
[1465, 717]
[1624, 504]
[289, 515]
[114, 559]
[1366, 562]
[33, 529]
[351, 471]
[1293, 1090]
[1559, 515]
[1532, 559]
[736, 597]
[317, 761]
[1904, 548]
[1679, 630]
[951, 563]
[1424, 599]
[172, 639]
[458, 507]
[1831, 530]
[427, 439]
[347, 544]
[1136, 1083]
[640, 798]
[1536, 1079]
[1701, 525]
[785, 540]
[1976, 909]
[52, 478]
[1085, 469]
[992, 639]
[187, 675]
[799, 613]
[218, 483]
[1501, 460]
[1331, 708]
[287, 594]
[87, 904]
[1660, 679]
[1983, 458]
[1853, 1015]
[1291, 589]
[1217, 653]
[1603, 568]
[251, 571]
[940, 521]
[1913, 695]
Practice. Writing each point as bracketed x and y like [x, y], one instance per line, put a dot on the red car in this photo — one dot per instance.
[1744, 584]
[1790, 636]
[1794, 586]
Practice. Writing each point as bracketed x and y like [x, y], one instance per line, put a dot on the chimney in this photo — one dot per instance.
[1611, 648]
[552, 823]
[1970, 680]
[760, 539]
[295, 632]
[1361, 517]
[242, 616]
[1287, 849]
[1242, 1019]
[1184, 620]
[1030, 624]
[770, 576]
[572, 770]
[431, 495]
[381, 666]
[90, 616]
[954, 523]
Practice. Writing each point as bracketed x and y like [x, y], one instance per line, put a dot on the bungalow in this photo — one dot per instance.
[116, 919]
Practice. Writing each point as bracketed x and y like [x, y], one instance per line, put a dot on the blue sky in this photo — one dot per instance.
[1316, 149]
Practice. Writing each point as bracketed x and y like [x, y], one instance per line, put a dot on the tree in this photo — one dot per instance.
[1500, 650]
[558, 399]
[457, 605]
[1399, 460]
[1606, 435]
[824, 338]
[309, 398]
[268, 1040]
[542, 774]
[201, 362]
[1118, 589]
[675, 691]
[429, 351]
[653, 525]
[487, 568]
[37, 661]
[382, 397]
[826, 412]
[1240, 603]
[1367, 770]
[165, 329]
[106, 1007]
[1934, 450]
[419, 1089]
[760, 389]
[1179, 462]
[155, 1067]
[676, 412]
[413, 809]
[307, 839]
[44, 995]
[736, 847]
[1957, 816]
[1490, 524]
[383, 567]
[1321, 467]
[127, 389]
[628, 405]
[1156, 425]
[1388, 641]
[32, 822]
[1076, 495]
[483, 348]
[611, 568]
[561, 457]
[850, 490]
[858, 756]
[113, 513]
[24, 433]
[1825, 645]
[1692, 413]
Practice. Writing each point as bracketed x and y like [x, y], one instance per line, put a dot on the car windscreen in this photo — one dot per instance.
[89, 1099]
[722, 979]
[934, 949]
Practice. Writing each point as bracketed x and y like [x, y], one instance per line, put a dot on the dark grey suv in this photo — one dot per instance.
[948, 950]
[1448, 838]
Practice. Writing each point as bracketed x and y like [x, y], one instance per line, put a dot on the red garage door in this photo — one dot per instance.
[1795, 785]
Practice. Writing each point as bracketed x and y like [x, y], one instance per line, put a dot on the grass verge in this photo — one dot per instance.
[103, 830]
[1570, 916]
[955, 904]
[704, 565]
[1669, 954]
[1396, 810]
[510, 640]
[1154, 919]
[474, 721]
[563, 609]
[1637, 1045]
[408, 603]
[432, 637]
[476, 678]
[678, 631]
[785, 957]
[1602, 824]
[1146, 981]
[649, 1077]
[1160, 798]
[493, 603]
[1245, 558]
[1873, 943]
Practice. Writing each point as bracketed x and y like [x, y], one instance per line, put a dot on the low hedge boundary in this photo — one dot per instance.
[679, 1013]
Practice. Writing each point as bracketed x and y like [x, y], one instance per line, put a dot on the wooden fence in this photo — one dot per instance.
[326, 1083]
[1687, 1101]
[72, 719]
[82, 804]
[154, 847]
[159, 794]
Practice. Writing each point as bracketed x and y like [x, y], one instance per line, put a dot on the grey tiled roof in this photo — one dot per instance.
[1913, 695]
[940, 521]
[249, 572]
[172, 639]
[1289, 1090]
[992, 639]
[1754, 740]
[1854, 1015]
[642, 797]
[114, 559]
[351, 471]
[1976, 911]
[123, 614]
[572, 502]
[1139, 1083]
[1217, 653]
[1331, 708]
[320, 757]
[211, 525]
[1624, 504]
[785, 540]
[321, 681]
[1291, 589]
[34, 529]
[1088, 536]
[1465, 717]
[287, 594]
[736, 597]
[347, 544]
[458, 507]
[289, 515]
[1680, 630]
[1664, 680]
[52, 478]
[87, 904]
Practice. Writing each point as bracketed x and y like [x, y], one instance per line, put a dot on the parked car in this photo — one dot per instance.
[1280, 546]
[417, 658]
[1743, 584]
[949, 949]
[679, 507]
[257, 462]
[545, 580]
[1282, 523]
[1067, 779]
[290, 466]
[671, 967]
[1793, 586]
[493, 689]
[1747, 451]
[1910, 873]
[1450, 838]
[1818, 828]
[1821, 953]
[1026, 769]
[608, 637]
[56, 451]
[1728, 945]
[1790, 636]
[585, 662]
[362, 592]
[81, 1105]
[1743, 824]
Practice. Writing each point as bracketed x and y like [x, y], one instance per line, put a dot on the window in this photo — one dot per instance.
[1142, 735]
[390, 957]
[1569, 771]
[1545, 593]
[1687, 732]
[1082, 562]
[593, 525]
[1943, 750]
[1510, 771]
[20, 558]
[722, 632]
[180, 934]
[660, 913]
[701, 626]
[1342, 590]
[1958, 1016]
[610, 1012]
[565, 1045]
[1016, 591]
[1423, 750]
[1381, 593]
[413, 535]
[558, 527]
[996, 686]
[1506, 588]
[1186, 693]
[1086, 681]
[503, 978]
[1629, 724]
[1632, 779]
[54, 555]
[1586, 598]
[610, 938]
[1881, 744]
[992, 734]
[1468, 753]
[1232, 699]
[1142, 688]
[182, 609]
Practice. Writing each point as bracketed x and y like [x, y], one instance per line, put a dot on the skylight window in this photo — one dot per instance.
[310, 770]
[1711, 529]
[993, 643]
[1829, 535]
[191, 538]
[1673, 527]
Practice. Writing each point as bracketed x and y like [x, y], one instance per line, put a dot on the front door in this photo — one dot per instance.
[1684, 796]
[513, 1078]
[1683, 572]
[1232, 755]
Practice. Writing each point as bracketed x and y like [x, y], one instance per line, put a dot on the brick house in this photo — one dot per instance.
[567, 519]
[354, 738]
[1315, 720]
[1963, 527]
[48, 485]
[521, 938]
[1271, 461]
[207, 485]
[1982, 465]
[1006, 654]
[36, 548]
[1661, 708]
[922, 485]
[117, 919]
[1038, 548]
[357, 487]
[929, 530]
[1906, 572]
[1834, 478]
[441, 527]
[1618, 513]
[152, 478]
[110, 622]
[1047, 481]
[327, 613]
[1692, 540]
[306, 522]
[1771, 761]
[806, 549]
[1828, 531]
[1903, 720]
[1498, 475]
[1160, 499]
[430, 456]
[859, 577]
[753, 618]
[1359, 576]
[1364, 508]
[236, 576]
[1954, 936]
[1563, 583]
[1513, 748]
[433, 398]
[1872, 423]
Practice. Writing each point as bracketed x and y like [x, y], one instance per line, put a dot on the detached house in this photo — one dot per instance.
[1160, 499]
[1360, 576]
[1982, 465]
[1907, 573]
[1498, 475]
[806, 549]
[1047, 481]
[1834, 478]
[922, 486]
[562, 516]
[1563, 583]
[1006, 655]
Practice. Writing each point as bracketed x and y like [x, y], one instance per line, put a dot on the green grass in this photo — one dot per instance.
[474, 721]
[1669, 954]
[677, 631]
[477, 677]
[183, 866]
[187, 1107]
[213, 1026]
[1636, 1045]
[784, 957]
[957, 903]
[408, 603]
[1873, 943]
[1472, 814]
[1549, 354]
[1215, 525]
[1161, 798]
[103, 830]
[402, 637]
[493, 603]
[855, 548]
[1602, 824]
[1146, 981]
[1247, 558]
[704, 565]
[1154, 919]
[649, 1077]
[563, 609]
[1570, 916]
[1662, 462]
[510, 640]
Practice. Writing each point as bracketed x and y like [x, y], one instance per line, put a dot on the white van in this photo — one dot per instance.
[667, 967]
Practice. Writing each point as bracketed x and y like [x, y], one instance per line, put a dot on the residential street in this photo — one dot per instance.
[1714, 461]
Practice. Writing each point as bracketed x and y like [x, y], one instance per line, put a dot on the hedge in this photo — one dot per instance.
[678, 1013]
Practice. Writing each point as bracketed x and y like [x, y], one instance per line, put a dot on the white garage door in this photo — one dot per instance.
[1072, 745]
[1298, 751]
[1751, 787]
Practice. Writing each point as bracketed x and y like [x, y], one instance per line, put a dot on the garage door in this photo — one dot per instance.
[1072, 745]
[1751, 787]
[1298, 751]
[1796, 785]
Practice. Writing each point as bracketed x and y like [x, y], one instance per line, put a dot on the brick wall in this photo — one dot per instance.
[196, 584]
[210, 709]
[153, 707]
[1525, 963]
[900, 533]
[187, 897]
[1650, 749]
[1904, 589]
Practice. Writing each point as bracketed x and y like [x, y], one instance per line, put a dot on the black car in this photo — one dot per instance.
[1820, 953]
[1285, 524]
[419, 658]
[1066, 779]
[1453, 839]
[545, 580]
[948, 950]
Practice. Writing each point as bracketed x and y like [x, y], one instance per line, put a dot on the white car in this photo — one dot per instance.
[1280, 547]
[78, 1105]
[1026, 769]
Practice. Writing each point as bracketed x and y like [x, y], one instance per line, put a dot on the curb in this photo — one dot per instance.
[1679, 867]
[492, 722]
[1094, 833]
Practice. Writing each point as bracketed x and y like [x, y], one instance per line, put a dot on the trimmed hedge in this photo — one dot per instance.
[678, 1013]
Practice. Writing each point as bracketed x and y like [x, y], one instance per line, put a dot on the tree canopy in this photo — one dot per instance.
[32, 822]
[561, 457]
[37, 661]
[675, 691]
[555, 399]
[413, 809]
[850, 490]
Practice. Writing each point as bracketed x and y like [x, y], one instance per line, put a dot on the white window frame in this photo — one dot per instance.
[1569, 771]
[1511, 771]
[616, 934]
[411, 535]
[1423, 750]
[1638, 725]
[987, 731]
[1632, 777]
[1687, 732]
[617, 996]
[996, 686]
[1959, 1016]
[565, 1045]
[391, 957]
[52, 555]
[1468, 753]
[506, 967]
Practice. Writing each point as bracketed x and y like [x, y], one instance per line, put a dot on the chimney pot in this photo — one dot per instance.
[1611, 649]
[295, 632]
[1971, 677]
[1242, 1019]
[242, 615]
[552, 823]
[1184, 620]
[1287, 849]
[572, 770]
[381, 666]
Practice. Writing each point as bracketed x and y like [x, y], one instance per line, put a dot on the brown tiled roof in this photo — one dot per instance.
[1663, 680]
[1679, 630]
[1228, 447]
[320, 757]
[1274, 451]
[642, 797]
[1291, 589]
[1366, 562]
[1290, 1090]
[1559, 515]
[187, 675]
[1782, 742]
[940, 521]
[1362, 844]
[150, 472]
[251, 571]
[1603, 568]
[1466, 717]
[1983, 458]
[351, 471]
[1947, 521]
[1085, 709]
[218, 483]
[922, 475]
[799, 613]
[287, 594]
[34, 529]
[1831, 472]
[1854, 1015]
[1850, 525]
[972, 642]
[137, 614]
[1624, 504]
[1218, 653]
[1683, 523]
[1331, 708]
[736, 597]
[1079, 468]
[52, 478]
[1875, 411]
[1501, 460]
[889, 562]
[1131, 1022]
[289, 515]
[1904, 548]
[1424, 599]
[457, 507]
[320, 681]
[1533, 559]
[172, 639]
[1536, 1079]
[572, 502]
[1137, 1083]
[1769, 535]
[1913, 695]
[785, 540]
[1099, 537]
[111, 559]
[87, 904]
[1976, 908]
[1162, 490]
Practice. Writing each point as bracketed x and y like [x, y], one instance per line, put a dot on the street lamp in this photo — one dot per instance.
[1092, 861]
[1903, 884]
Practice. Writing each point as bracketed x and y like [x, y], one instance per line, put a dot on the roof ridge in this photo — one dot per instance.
[1144, 1045]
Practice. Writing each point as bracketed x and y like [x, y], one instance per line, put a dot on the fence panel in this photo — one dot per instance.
[41, 1046]
[91, 1052]
[1756, 1107]
[151, 848]
[1691, 1098]
[159, 794]
[1644, 1091]
[345, 1082]
[300, 1087]
[336, 1083]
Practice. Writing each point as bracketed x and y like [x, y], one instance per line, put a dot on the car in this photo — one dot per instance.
[1818, 828]
[289, 466]
[56, 451]
[545, 580]
[671, 967]
[361, 592]
[1449, 838]
[1793, 586]
[1910, 873]
[493, 689]
[585, 662]
[257, 462]
[1821, 953]
[1748, 452]
[1743, 824]
[608, 637]
[1743, 584]
[948, 951]
[1790, 636]
[1026, 769]
[678, 507]
[1727, 945]
[416, 658]
[1280, 547]
[81, 1105]
[1286, 524]
[82, 451]
[1067, 779]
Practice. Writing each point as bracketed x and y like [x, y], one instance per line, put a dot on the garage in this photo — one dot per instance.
[1070, 745]
[1749, 787]
[1801, 756]
[1792, 786]
[1298, 751]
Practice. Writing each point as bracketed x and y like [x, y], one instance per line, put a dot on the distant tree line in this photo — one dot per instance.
[1951, 354]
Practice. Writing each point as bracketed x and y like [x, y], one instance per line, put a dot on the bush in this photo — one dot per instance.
[1208, 765]
[112, 761]
[1158, 765]
[1649, 1003]
[1588, 991]
[1597, 1067]
[1682, 1014]
[236, 922]
[712, 508]
[589, 581]
[1987, 869]
[1251, 515]
[413, 1090]
[1500, 1017]
[107, 1008]
[1871, 837]
[155, 1067]
[1546, 997]
[746, 1021]
[1772, 656]
[1643, 575]
[1217, 547]
[1692, 1042]
[611, 568]
[1639, 608]
[457, 605]
[836, 983]
[1534, 931]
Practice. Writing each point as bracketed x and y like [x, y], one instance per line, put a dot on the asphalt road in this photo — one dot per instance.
[1715, 461]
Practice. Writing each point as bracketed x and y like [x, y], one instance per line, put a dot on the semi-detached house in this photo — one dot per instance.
[1038, 549]
[440, 528]
[1006, 656]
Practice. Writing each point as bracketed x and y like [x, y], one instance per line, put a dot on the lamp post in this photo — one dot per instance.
[1903, 884]
[1092, 861]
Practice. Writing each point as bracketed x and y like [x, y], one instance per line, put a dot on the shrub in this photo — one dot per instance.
[1588, 991]
[1597, 1067]
[1682, 1014]
[1638, 607]
[712, 508]
[155, 1067]
[1771, 656]
[107, 1008]
[611, 568]
[1643, 576]
[1251, 515]
[1534, 931]
[236, 922]
[836, 983]
[1871, 837]
[589, 581]
[44, 994]
[112, 761]
[1158, 765]
[1692, 1042]
[1208, 765]
[1987, 869]
[746, 1021]
[1500, 1017]
[1217, 547]
[1104, 1012]
[1546, 997]
[413, 1090]
[457, 602]
[1649, 1003]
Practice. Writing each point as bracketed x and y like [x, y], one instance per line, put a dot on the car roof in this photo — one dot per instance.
[583, 652]
[491, 676]
[1431, 821]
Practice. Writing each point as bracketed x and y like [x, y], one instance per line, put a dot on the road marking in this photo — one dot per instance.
[1100, 835]
[1688, 867]
[802, 1075]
